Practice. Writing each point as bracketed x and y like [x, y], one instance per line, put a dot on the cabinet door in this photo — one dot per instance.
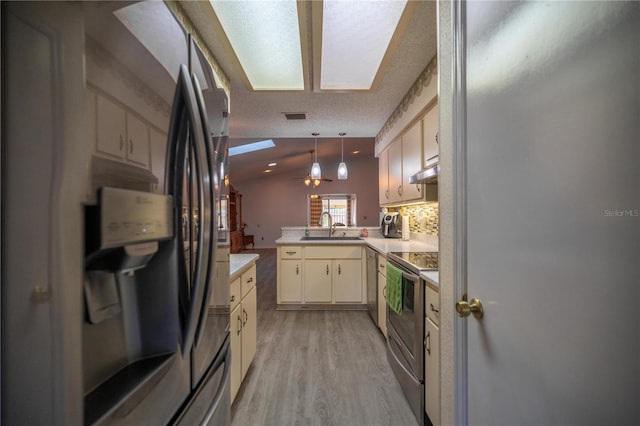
[382, 303]
[158, 149]
[235, 326]
[395, 171]
[383, 177]
[317, 281]
[290, 281]
[137, 141]
[111, 128]
[432, 372]
[411, 161]
[347, 280]
[249, 323]
[430, 128]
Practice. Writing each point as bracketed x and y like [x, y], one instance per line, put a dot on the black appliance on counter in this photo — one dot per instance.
[405, 333]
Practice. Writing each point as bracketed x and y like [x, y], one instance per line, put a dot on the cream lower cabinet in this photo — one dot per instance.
[333, 274]
[320, 274]
[290, 281]
[243, 327]
[382, 294]
[432, 356]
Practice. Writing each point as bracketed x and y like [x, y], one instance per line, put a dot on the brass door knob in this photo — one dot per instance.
[464, 308]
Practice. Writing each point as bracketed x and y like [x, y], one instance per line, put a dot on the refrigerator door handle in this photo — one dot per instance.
[210, 208]
[185, 99]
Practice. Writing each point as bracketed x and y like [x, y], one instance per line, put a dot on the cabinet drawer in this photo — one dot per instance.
[290, 252]
[382, 264]
[248, 280]
[333, 252]
[235, 293]
[432, 305]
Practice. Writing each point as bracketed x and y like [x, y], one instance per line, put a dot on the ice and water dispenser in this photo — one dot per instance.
[132, 325]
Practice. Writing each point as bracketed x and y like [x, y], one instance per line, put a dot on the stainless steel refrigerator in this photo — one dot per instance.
[118, 128]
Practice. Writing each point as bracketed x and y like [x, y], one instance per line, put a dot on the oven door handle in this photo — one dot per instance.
[410, 277]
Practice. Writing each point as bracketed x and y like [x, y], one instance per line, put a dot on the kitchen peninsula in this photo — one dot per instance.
[329, 272]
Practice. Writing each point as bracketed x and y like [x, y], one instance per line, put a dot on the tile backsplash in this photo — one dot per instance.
[423, 218]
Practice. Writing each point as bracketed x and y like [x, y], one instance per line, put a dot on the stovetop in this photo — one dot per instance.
[416, 260]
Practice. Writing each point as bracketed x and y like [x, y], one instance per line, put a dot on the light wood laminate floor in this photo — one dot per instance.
[316, 367]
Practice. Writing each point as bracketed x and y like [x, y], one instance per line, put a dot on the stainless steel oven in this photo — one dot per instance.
[405, 331]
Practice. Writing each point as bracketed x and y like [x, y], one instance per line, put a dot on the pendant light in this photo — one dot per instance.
[315, 167]
[343, 173]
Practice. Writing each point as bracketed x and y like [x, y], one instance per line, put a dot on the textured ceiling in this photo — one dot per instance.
[258, 115]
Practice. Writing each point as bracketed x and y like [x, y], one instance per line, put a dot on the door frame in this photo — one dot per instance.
[453, 210]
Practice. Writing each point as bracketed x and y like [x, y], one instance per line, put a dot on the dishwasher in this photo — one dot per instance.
[372, 284]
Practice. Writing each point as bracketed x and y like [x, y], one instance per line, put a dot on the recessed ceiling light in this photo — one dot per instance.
[356, 152]
[266, 39]
[250, 147]
[267, 170]
[271, 164]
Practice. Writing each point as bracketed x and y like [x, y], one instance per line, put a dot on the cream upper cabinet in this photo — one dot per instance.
[395, 171]
[411, 161]
[111, 128]
[430, 129]
[120, 134]
[137, 141]
[383, 176]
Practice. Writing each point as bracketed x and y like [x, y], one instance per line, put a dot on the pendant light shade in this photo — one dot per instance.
[316, 173]
[343, 173]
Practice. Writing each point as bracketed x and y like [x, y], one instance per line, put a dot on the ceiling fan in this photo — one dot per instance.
[309, 181]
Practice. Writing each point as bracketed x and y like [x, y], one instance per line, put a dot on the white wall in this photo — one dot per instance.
[271, 202]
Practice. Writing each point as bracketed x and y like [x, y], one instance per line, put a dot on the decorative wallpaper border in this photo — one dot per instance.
[421, 82]
[106, 61]
[220, 76]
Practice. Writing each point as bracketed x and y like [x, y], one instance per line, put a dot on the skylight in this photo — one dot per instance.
[266, 39]
[250, 147]
[355, 38]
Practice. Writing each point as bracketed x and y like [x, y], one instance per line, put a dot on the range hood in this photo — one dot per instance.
[428, 175]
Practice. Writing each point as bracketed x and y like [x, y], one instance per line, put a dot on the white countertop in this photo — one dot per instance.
[238, 263]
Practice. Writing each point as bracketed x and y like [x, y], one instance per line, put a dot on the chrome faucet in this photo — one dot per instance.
[331, 230]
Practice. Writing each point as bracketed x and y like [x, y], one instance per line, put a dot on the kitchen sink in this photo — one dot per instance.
[330, 238]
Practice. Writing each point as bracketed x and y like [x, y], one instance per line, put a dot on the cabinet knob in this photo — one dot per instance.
[130, 146]
[297, 269]
[121, 143]
[239, 325]
[400, 190]
[339, 269]
[418, 187]
[233, 297]
[427, 342]
[327, 269]
[250, 280]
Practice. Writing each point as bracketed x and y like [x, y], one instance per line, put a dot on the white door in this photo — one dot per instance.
[553, 204]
